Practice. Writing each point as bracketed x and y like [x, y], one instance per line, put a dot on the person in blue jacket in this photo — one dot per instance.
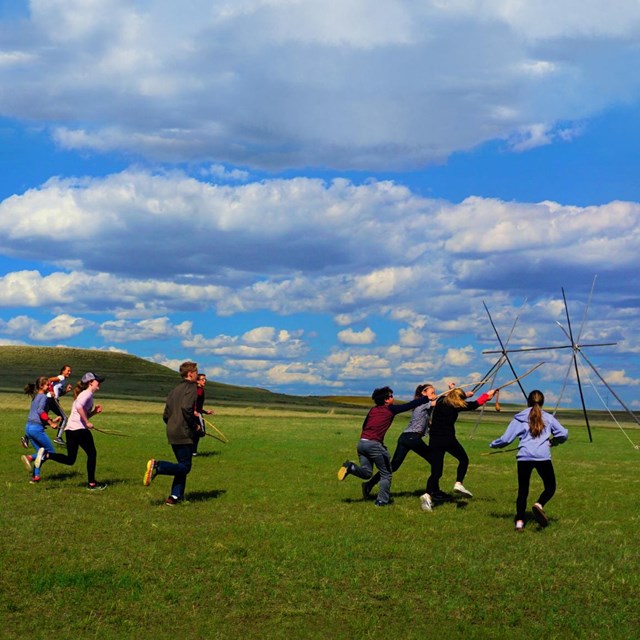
[538, 432]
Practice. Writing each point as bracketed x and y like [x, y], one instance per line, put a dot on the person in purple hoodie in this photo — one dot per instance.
[371, 448]
[538, 432]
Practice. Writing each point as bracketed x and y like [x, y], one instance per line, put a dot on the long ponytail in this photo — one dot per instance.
[535, 400]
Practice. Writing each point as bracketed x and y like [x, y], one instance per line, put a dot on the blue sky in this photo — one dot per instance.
[316, 197]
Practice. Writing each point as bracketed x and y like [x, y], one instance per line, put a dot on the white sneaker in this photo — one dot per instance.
[26, 461]
[39, 458]
[458, 488]
[425, 502]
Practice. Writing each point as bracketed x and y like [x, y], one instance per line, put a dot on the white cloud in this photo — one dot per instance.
[459, 357]
[59, 328]
[332, 83]
[349, 336]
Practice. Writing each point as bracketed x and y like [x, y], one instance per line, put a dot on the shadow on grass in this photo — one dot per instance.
[197, 496]
[62, 475]
[529, 521]
[207, 454]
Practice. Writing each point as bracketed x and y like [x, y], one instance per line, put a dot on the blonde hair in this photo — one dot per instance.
[535, 400]
[456, 398]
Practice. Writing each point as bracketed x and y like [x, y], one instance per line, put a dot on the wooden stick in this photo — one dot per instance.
[220, 435]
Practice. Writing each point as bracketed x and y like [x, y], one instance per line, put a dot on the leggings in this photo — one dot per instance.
[79, 439]
[438, 449]
[546, 473]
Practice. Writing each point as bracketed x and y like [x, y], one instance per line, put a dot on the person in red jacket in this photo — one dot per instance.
[371, 449]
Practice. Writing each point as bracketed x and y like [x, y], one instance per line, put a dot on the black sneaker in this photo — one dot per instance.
[24, 441]
[96, 486]
[366, 491]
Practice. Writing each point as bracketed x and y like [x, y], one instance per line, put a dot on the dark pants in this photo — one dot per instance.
[199, 434]
[548, 477]
[438, 449]
[406, 442]
[179, 470]
[79, 439]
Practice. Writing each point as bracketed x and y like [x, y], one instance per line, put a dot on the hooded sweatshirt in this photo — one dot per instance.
[531, 448]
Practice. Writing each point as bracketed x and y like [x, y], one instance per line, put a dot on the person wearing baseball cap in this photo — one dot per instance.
[78, 429]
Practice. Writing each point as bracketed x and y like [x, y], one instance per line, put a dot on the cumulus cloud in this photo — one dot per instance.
[61, 327]
[349, 336]
[291, 83]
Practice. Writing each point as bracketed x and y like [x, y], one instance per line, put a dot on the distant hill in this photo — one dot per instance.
[128, 376]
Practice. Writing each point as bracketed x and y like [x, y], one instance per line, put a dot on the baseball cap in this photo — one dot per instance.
[88, 377]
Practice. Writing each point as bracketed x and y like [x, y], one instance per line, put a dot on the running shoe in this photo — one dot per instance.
[150, 473]
[26, 461]
[40, 458]
[344, 470]
[519, 525]
[24, 441]
[425, 502]
[171, 501]
[458, 488]
[97, 486]
[540, 515]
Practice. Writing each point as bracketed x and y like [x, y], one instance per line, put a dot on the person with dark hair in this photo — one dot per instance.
[78, 429]
[371, 449]
[58, 388]
[411, 439]
[200, 411]
[181, 420]
[37, 420]
[442, 439]
[538, 431]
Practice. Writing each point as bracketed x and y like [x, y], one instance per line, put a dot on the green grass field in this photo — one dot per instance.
[271, 545]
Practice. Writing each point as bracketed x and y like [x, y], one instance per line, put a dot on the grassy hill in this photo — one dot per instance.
[128, 377]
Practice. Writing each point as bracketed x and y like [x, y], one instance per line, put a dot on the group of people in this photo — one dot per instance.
[436, 416]
[77, 427]
[183, 415]
[432, 415]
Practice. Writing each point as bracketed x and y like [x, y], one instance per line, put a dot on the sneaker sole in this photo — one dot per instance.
[39, 458]
[26, 463]
[466, 494]
[540, 516]
[148, 474]
[342, 473]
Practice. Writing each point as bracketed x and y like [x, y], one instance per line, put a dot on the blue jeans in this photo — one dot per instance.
[179, 470]
[39, 439]
[373, 452]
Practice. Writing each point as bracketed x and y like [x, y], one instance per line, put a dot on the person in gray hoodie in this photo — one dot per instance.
[538, 432]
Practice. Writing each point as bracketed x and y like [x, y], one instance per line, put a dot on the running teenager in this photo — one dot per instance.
[200, 410]
[78, 429]
[411, 439]
[442, 439]
[37, 421]
[538, 431]
[179, 416]
[371, 449]
[59, 387]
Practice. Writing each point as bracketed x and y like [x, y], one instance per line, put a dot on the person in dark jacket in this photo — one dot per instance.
[179, 416]
[442, 439]
[371, 449]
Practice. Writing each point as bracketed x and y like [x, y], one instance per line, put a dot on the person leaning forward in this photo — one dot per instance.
[181, 421]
